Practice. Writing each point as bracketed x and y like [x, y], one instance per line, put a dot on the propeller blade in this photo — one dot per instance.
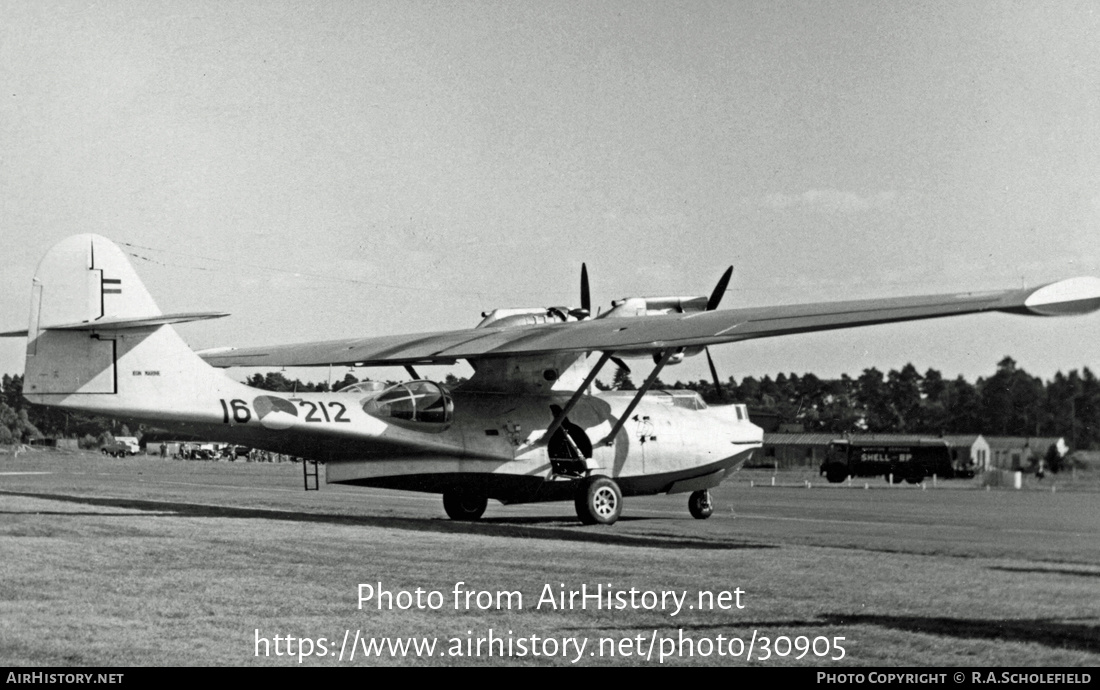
[718, 390]
[586, 300]
[719, 290]
[621, 364]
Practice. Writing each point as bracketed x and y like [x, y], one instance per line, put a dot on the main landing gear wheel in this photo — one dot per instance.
[700, 506]
[464, 507]
[599, 501]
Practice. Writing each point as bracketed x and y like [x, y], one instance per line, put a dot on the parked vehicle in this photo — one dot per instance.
[122, 446]
[911, 462]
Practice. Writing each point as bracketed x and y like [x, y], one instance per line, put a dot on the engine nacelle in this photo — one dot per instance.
[676, 357]
[679, 355]
[652, 306]
[528, 316]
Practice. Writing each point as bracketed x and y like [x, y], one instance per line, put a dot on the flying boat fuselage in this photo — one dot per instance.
[419, 436]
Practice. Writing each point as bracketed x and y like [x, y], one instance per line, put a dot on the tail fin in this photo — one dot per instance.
[97, 340]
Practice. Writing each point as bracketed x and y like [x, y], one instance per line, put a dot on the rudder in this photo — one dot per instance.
[95, 332]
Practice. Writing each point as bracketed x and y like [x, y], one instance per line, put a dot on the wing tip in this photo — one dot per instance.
[1065, 297]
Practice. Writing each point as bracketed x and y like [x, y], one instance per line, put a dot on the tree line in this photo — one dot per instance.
[1011, 402]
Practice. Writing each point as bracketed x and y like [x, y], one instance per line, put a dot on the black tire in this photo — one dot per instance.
[464, 507]
[700, 506]
[104, 451]
[836, 473]
[598, 501]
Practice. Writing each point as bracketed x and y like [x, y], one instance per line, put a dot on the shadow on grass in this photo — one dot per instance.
[547, 519]
[524, 528]
[86, 513]
[1048, 633]
[1043, 571]
[1053, 634]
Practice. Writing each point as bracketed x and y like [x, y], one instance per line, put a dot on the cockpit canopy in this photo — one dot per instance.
[363, 387]
[423, 405]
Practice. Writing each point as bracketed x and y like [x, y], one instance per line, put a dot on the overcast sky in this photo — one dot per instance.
[338, 169]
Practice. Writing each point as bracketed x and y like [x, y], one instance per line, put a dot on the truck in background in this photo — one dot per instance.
[911, 461]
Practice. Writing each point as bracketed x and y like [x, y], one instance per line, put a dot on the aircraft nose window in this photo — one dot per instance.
[417, 402]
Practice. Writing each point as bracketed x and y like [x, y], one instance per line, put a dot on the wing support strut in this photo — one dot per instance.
[560, 419]
[609, 440]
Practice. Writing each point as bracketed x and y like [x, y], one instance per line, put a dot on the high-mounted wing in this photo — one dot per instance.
[660, 332]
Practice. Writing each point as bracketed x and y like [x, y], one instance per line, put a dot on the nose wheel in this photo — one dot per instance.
[700, 505]
[464, 507]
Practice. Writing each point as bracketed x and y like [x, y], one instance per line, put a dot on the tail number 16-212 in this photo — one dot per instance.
[237, 411]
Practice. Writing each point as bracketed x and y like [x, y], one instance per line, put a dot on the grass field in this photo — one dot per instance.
[151, 562]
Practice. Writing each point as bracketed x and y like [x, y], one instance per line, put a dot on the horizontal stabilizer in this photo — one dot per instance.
[109, 323]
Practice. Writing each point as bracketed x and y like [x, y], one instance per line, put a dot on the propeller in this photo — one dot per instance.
[586, 298]
[712, 304]
[714, 374]
[585, 309]
[719, 290]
